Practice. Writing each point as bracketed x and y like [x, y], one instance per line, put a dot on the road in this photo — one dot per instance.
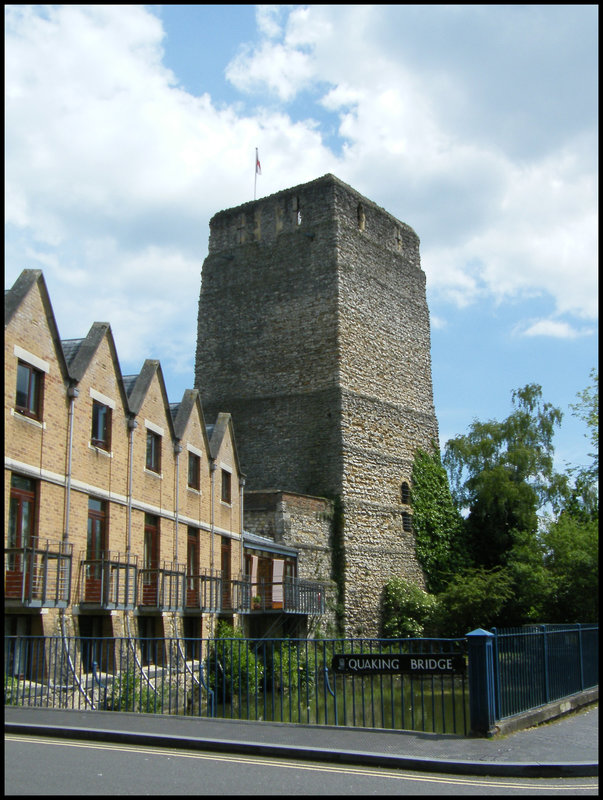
[47, 766]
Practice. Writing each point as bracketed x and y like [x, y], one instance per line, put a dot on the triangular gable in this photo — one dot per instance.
[13, 299]
[79, 354]
[182, 414]
[223, 427]
[139, 390]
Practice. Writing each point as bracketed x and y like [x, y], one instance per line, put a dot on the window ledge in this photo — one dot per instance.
[100, 450]
[36, 423]
[153, 474]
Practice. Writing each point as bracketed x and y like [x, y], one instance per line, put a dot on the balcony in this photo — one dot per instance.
[204, 592]
[289, 596]
[161, 588]
[108, 582]
[39, 575]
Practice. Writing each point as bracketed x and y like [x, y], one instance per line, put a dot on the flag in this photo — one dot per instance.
[258, 168]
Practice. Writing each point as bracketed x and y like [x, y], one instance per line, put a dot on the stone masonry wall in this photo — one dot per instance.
[314, 335]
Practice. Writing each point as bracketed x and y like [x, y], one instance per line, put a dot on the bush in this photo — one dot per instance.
[231, 666]
[406, 610]
[130, 692]
[293, 668]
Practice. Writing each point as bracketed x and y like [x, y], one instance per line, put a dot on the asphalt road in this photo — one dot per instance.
[48, 766]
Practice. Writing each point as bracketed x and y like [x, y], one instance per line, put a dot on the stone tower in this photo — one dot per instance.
[313, 333]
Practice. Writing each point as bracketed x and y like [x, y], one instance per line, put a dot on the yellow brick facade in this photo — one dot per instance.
[57, 460]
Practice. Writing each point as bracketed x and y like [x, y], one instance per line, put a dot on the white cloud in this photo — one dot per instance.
[555, 329]
[113, 172]
[490, 222]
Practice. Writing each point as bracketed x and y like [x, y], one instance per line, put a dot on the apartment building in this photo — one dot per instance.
[123, 511]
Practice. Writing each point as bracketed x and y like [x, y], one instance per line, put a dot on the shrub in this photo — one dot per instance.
[231, 665]
[130, 692]
[406, 610]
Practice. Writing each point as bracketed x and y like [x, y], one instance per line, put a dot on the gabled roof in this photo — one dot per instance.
[222, 426]
[137, 387]
[182, 411]
[15, 296]
[80, 352]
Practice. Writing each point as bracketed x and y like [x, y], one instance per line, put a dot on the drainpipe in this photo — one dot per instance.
[241, 488]
[212, 471]
[132, 425]
[72, 393]
[177, 451]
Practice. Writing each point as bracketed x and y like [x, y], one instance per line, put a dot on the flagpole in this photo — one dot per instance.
[256, 170]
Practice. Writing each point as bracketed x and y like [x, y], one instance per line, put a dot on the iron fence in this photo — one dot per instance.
[538, 664]
[284, 680]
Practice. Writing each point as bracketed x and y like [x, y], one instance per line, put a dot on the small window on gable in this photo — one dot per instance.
[153, 459]
[226, 490]
[30, 384]
[101, 425]
[406, 523]
[194, 471]
[405, 493]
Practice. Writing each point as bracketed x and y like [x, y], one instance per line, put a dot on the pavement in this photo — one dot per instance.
[567, 747]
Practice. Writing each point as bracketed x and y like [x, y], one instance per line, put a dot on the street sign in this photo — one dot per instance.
[414, 663]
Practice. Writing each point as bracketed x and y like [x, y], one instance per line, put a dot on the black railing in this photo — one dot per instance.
[38, 576]
[288, 596]
[109, 582]
[204, 592]
[162, 588]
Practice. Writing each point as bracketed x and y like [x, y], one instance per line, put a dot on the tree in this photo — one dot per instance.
[474, 598]
[436, 522]
[501, 473]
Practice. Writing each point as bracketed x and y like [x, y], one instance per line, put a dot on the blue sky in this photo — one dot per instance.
[128, 127]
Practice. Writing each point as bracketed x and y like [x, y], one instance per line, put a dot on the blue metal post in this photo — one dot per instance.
[482, 707]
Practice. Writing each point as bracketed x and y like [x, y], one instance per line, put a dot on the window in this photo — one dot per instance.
[151, 542]
[153, 461]
[194, 471]
[101, 425]
[407, 522]
[225, 486]
[21, 528]
[405, 492]
[192, 561]
[30, 382]
[96, 540]
[361, 217]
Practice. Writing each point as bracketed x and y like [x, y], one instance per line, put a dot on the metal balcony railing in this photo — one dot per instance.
[204, 591]
[162, 588]
[289, 596]
[109, 582]
[38, 575]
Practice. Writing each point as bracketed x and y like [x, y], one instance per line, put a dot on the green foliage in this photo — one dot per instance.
[572, 562]
[13, 690]
[502, 473]
[473, 599]
[406, 610]
[338, 563]
[437, 524]
[231, 665]
[130, 692]
[293, 667]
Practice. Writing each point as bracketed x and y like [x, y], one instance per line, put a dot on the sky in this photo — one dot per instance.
[128, 127]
